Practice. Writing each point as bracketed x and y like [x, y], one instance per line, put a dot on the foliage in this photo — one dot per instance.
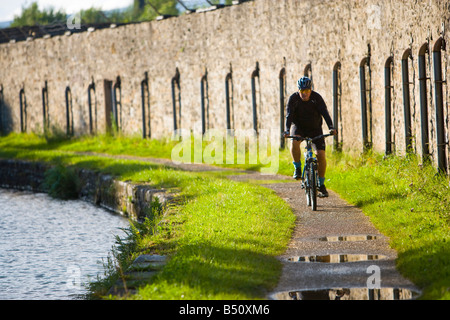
[147, 12]
[93, 15]
[138, 11]
[62, 182]
[32, 15]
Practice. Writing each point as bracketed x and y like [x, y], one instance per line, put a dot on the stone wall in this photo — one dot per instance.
[287, 34]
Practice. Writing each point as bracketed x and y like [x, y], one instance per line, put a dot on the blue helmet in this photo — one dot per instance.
[304, 83]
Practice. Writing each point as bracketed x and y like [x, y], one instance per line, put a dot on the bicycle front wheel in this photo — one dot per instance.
[313, 188]
[308, 186]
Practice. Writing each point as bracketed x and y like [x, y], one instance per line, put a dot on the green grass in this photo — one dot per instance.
[226, 244]
[404, 199]
[408, 202]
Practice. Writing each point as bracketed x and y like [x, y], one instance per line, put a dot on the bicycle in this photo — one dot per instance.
[310, 181]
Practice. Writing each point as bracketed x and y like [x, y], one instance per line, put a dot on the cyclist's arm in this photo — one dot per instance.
[324, 112]
[289, 114]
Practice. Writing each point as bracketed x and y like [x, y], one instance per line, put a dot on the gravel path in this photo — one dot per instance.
[334, 218]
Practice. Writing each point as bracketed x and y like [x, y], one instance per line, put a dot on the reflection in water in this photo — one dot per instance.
[338, 258]
[348, 238]
[350, 294]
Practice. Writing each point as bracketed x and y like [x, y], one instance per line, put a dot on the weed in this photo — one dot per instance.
[62, 182]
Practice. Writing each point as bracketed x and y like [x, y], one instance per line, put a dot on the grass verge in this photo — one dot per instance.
[408, 202]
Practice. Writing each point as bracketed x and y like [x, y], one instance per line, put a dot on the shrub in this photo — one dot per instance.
[62, 182]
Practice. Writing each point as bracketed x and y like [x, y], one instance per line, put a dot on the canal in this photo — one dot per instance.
[50, 249]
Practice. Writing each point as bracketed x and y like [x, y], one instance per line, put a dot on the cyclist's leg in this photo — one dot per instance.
[295, 151]
[295, 146]
[296, 157]
[322, 166]
[319, 148]
[322, 160]
[296, 154]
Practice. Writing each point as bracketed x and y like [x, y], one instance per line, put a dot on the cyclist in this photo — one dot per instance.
[305, 110]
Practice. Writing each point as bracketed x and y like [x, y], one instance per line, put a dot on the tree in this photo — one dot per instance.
[141, 10]
[144, 10]
[93, 15]
[32, 16]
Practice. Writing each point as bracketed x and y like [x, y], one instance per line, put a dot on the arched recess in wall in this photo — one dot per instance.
[366, 103]
[23, 110]
[337, 106]
[117, 104]
[69, 112]
[2, 130]
[438, 48]
[45, 112]
[92, 108]
[388, 109]
[423, 78]
[407, 56]
[109, 106]
[255, 93]
[113, 104]
[229, 99]
[204, 99]
[176, 100]
[282, 81]
[145, 103]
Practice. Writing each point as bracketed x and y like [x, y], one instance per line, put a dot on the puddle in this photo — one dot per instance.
[348, 238]
[349, 294]
[338, 258]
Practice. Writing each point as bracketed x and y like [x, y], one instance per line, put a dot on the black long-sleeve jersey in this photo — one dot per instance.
[307, 115]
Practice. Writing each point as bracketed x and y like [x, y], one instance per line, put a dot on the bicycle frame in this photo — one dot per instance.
[309, 157]
[310, 181]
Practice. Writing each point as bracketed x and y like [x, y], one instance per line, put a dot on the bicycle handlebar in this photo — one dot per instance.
[309, 139]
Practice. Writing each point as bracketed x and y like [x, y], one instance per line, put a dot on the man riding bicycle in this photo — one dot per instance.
[305, 110]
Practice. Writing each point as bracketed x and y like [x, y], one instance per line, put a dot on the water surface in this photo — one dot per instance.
[49, 249]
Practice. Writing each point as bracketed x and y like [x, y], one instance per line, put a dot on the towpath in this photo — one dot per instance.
[335, 252]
